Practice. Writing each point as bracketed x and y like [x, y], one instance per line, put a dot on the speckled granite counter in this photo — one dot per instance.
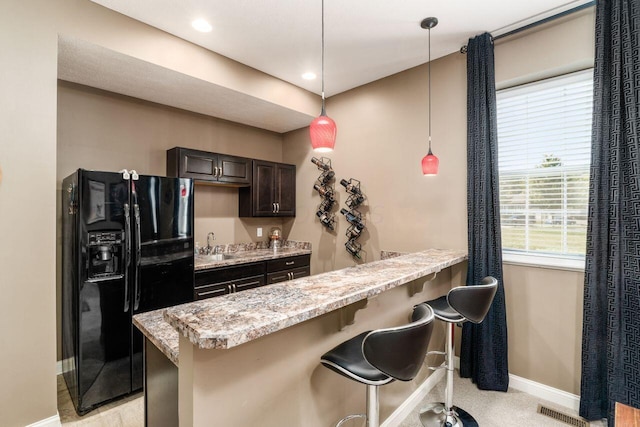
[243, 257]
[243, 253]
[235, 319]
[164, 336]
[159, 332]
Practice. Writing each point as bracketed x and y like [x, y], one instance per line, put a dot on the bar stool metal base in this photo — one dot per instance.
[434, 415]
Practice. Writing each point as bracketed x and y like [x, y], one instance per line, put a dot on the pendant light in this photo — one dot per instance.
[429, 162]
[323, 129]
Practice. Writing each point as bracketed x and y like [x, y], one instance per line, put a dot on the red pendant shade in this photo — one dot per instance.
[323, 134]
[430, 164]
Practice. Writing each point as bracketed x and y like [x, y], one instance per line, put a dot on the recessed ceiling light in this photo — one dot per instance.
[201, 25]
[309, 76]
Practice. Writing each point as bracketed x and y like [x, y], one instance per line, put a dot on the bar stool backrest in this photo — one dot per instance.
[399, 352]
[473, 302]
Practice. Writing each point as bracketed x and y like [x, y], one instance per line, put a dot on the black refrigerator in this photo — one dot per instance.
[127, 248]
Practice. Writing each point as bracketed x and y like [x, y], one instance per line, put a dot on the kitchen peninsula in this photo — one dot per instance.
[251, 358]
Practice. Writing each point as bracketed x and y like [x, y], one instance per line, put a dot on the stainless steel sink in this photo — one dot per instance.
[215, 257]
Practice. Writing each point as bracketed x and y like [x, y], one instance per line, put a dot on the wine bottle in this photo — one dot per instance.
[326, 219]
[326, 177]
[354, 231]
[353, 248]
[324, 191]
[350, 187]
[322, 165]
[354, 201]
[327, 204]
[351, 217]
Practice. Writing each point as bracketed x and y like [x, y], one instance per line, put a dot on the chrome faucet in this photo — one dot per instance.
[210, 248]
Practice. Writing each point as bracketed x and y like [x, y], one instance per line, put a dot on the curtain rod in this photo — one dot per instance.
[463, 49]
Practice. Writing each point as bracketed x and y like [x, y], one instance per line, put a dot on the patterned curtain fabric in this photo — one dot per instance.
[611, 325]
[483, 356]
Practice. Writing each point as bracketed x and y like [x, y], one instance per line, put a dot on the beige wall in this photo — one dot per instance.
[103, 131]
[382, 134]
[27, 214]
[28, 83]
[382, 137]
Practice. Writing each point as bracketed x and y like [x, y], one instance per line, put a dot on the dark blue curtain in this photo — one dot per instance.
[611, 328]
[483, 356]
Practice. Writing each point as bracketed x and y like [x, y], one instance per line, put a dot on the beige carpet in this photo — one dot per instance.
[490, 408]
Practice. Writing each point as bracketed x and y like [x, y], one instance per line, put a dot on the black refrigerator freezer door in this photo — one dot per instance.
[102, 198]
[104, 363]
[95, 293]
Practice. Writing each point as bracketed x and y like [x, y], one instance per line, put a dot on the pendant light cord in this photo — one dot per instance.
[429, 80]
[322, 113]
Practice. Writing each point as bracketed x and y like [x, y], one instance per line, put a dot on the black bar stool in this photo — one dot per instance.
[379, 357]
[461, 304]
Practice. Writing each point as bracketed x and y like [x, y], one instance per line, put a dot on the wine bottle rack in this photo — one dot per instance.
[324, 187]
[357, 225]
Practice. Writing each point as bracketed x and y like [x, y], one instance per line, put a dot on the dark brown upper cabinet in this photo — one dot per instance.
[272, 192]
[208, 167]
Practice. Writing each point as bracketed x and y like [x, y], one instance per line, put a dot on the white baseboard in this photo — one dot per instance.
[59, 367]
[403, 411]
[560, 397]
[539, 390]
[53, 421]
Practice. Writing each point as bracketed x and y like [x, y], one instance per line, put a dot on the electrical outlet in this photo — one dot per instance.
[259, 231]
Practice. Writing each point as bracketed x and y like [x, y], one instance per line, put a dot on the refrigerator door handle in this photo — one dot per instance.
[136, 213]
[127, 260]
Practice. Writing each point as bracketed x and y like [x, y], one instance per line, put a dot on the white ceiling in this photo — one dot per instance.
[365, 40]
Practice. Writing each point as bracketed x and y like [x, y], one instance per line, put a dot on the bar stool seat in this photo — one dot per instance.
[443, 311]
[382, 356]
[347, 360]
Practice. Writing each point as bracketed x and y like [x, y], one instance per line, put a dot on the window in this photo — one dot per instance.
[544, 152]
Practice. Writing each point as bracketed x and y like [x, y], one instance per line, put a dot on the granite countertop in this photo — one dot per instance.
[159, 332]
[235, 254]
[234, 319]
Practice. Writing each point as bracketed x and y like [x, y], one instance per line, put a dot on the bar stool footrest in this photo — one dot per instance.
[351, 417]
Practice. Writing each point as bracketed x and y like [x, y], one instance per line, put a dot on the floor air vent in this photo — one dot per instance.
[565, 418]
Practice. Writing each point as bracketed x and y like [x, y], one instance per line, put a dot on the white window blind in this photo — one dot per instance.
[544, 152]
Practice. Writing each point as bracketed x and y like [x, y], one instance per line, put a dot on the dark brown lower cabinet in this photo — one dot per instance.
[227, 280]
[216, 282]
[283, 276]
[283, 269]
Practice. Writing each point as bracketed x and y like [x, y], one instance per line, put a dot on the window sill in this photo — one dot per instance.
[544, 261]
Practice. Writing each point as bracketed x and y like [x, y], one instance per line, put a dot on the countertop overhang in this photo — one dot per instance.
[231, 320]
